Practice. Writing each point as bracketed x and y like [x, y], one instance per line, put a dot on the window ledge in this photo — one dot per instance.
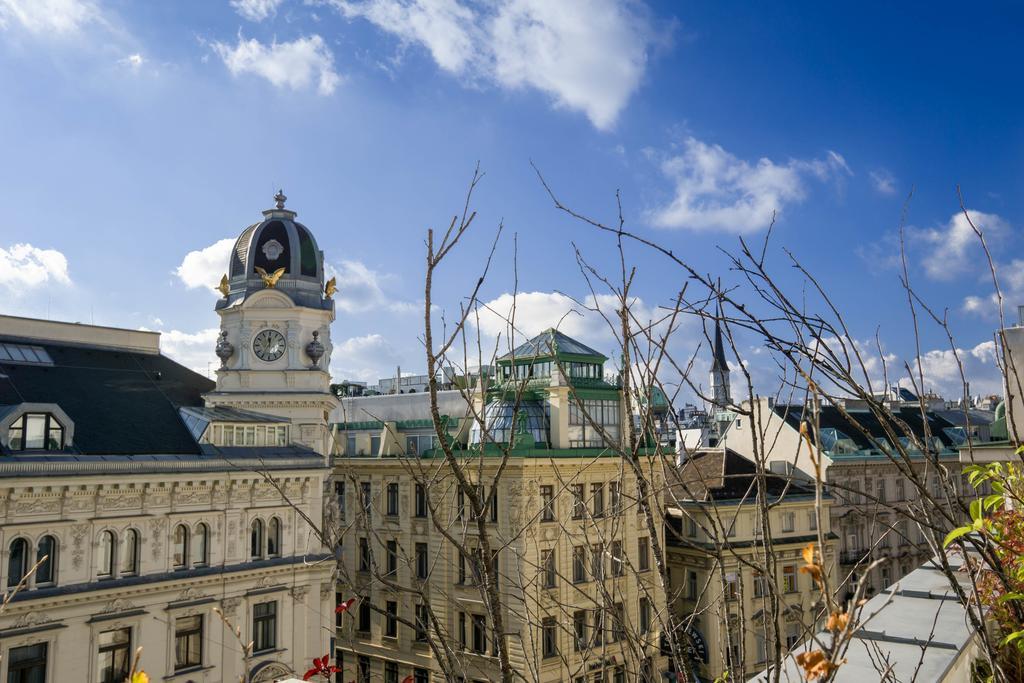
[271, 651]
[189, 670]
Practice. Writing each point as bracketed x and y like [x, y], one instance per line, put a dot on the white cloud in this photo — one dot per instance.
[360, 289]
[205, 267]
[717, 191]
[194, 350]
[588, 56]
[952, 248]
[942, 372]
[133, 62]
[1011, 284]
[23, 266]
[365, 358]
[59, 17]
[256, 10]
[883, 181]
[297, 65]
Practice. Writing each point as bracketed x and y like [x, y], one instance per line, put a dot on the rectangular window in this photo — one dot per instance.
[900, 490]
[494, 506]
[367, 498]
[598, 627]
[691, 585]
[462, 630]
[788, 521]
[422, 561]
[420, 676]
[549, 628]
[691, 527]
[363, 623]
[792, 635]
[579, 505]
[579, 630]
[364, 554]
[812, 520]
[392, 499]
[789, 579]
[645, 616]
[615, 497]
[579, 564]
[392, 552]
[422, 623]
[732, 582]
[188, 642]
[597, 499]
[643, 554]
[350, 445]
[27, 664]
[597, 561]
[547, 503]
[618, 562]
[115, 653]
[421, 501]
[759, 585]
[390, 672]
[479, 634]
[618, 622]
[374, 446]
[881, 490]
[363, 669]
[264, 626]
[391, 622]
[547, 563]
[339, 492]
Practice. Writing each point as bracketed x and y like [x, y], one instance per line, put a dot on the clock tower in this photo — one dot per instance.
[275, 328]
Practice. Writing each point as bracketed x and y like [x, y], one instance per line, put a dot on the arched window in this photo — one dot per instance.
[180, 542]
[130, 553]
[47, 548]
[256, 539]
[200, 545]
[107, 551]
[17, 562]
[274, 537]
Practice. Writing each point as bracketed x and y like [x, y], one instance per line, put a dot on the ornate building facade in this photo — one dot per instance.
[137, 496]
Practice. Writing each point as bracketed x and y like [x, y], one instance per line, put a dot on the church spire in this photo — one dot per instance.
[719, 365]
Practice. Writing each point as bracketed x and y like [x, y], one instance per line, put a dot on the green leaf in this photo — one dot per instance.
[1012, 595]
[976, 509]
[1012, 637]
[956, 533]
[992, 501]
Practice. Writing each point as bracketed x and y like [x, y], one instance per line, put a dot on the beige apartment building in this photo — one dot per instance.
[153, 495]
[581, 598]
[715, 548]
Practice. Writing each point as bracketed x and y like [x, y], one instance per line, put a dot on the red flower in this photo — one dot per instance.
[321, 667]
[343, 607]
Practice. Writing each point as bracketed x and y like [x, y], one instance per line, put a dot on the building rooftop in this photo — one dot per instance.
[722, 474]
[917, 626]
[550, 343]
[121, 400]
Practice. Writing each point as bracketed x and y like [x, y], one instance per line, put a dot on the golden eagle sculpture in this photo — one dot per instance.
[270, 280]
[224, 287]
[331, 287]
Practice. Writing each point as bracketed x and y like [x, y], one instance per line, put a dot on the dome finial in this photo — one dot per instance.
[280, 198]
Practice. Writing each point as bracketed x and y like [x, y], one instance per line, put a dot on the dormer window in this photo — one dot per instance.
[36, 432]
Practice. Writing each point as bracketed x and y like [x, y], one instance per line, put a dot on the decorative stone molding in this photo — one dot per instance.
[78, 534]
[30, 619]
[298, 593]
[117, 605]
[188, 594]
[229, 606]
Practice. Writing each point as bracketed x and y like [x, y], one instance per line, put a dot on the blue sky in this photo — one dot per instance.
[141, 136]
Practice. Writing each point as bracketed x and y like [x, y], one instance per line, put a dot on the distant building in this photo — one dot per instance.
[566, 508]
[714, 502]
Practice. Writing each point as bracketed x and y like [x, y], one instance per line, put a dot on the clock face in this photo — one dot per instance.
[268, 345]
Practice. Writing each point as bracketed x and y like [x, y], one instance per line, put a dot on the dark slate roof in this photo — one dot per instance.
[550, 341]
[959, 416]
[831, 417]
[722, 474]
[120, 401]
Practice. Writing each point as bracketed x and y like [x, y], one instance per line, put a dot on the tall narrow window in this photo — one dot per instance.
[392, 553]
[479, 633]
[392, 499]
[615, 497]
[579, 506]
[421, 500]
[188, 642]
[363, 668]
[256, 539]
[422, 623]
[47, 548]
[364, 554]
[17, 561]
[579, 564]
[264, 626]
[645, 616]
[107, 551]
[597, 499]
[180, 542]
[130, 553]
[391, 622]
[549, 637]
[339, 493]
[390, 672]
[200, 545]
[274, 537]
[579, 630]
[547, 503]
[789, 578]
[547, 564]
[643, 554]
[27, 664]
[422, 561]
[114, 658]
[363, 624]
[366, 493]
[618, 562]
[597, 561]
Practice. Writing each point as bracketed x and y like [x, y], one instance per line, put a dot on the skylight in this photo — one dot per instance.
[24, 353]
